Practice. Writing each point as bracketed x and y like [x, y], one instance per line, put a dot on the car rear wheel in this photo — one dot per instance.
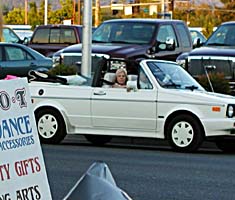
[184, 133]
[227, 146]
[98, 139]
[50, 125]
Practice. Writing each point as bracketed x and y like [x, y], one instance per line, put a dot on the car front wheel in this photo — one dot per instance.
[50, 125]
[184, 133]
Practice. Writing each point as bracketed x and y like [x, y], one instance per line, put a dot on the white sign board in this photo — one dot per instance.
[128, 10]
[22, 169]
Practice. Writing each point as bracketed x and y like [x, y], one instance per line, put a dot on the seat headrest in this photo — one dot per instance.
[109, 76]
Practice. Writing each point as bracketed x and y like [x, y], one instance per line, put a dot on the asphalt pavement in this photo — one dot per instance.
[131, 141]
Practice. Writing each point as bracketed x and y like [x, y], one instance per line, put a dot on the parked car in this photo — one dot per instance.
[18, 60]
[47, 39]
[197, 34]
[23, 31]
[215, 56]
[173, 107]
[132, 39]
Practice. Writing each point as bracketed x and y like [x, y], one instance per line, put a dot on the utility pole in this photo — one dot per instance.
[1, 22]
[73, 18]
[97, 12]
[163, 8]
[26, 12]
[86, 38]
[79, 11]
[45, 12]
[188, 12]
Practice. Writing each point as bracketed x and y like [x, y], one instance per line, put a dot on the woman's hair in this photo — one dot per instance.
[120, 70]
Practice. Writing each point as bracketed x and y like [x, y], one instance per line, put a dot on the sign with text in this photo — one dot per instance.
[22, 169]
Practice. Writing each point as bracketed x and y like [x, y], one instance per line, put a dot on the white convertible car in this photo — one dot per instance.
[161, 101]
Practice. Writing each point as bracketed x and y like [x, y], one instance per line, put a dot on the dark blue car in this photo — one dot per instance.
[17, 59]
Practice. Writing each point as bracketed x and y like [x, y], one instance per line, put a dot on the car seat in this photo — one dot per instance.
[109, 78]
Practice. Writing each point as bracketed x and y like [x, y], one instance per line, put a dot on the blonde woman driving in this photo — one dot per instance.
[121, 78]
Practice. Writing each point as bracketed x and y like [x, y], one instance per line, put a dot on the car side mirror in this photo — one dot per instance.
[26, 40]
[197, 42]
[170, 44]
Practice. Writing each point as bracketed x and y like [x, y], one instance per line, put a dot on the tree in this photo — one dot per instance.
[16, 16]
[66, 12]
[33, 16]
[228, 12]
[41, 11]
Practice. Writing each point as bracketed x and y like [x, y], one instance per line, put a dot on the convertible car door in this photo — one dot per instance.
[118, 109]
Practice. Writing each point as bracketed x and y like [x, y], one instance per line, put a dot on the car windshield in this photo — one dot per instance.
[172, 76]
[223, 36]
[129, 32]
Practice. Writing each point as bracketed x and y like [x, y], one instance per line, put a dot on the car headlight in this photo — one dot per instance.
[230, 111]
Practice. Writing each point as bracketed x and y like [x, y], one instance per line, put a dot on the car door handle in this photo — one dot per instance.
[100, 92]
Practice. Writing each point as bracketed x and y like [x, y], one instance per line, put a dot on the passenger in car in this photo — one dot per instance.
[121, 78]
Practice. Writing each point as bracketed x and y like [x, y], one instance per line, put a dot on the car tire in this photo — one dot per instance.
[98, 139]
[227, 146]
[50, 125]
[184, 133]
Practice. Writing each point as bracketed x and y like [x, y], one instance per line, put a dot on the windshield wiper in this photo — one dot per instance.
[217, 44]
[191, 87]
[98, 41]
[120, 41]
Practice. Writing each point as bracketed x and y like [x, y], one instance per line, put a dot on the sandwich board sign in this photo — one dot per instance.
[22, 169]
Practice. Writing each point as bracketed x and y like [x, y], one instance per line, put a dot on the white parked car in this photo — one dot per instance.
[171, 105]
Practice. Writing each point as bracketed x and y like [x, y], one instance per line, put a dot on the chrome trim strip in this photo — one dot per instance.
[211, 58]
[60, 98]
[134, 100]
[192, 103]
[80, 54]
[95, 99]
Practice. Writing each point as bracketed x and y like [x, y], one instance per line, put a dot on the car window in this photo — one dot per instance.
[132, 33]
[224, 35]
[9, 35]
[165, 31]
[102, 33]
[68, 36]
[16, 53]
[54, 36]
[41, 36]
[183, 35]
[172, 76]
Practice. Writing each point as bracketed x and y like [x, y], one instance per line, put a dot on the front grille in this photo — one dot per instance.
[197, 65]
[76, 60]
[72, 60]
